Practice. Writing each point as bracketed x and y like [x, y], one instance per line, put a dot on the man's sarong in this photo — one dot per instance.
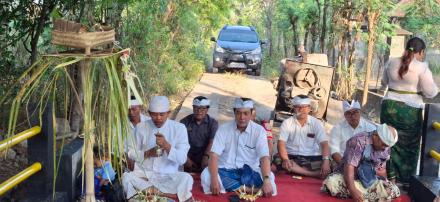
[405, 153]
[312, 163]
[381, 190]
[232, 179]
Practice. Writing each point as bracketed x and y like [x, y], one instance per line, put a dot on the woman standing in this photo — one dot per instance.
[408, 79]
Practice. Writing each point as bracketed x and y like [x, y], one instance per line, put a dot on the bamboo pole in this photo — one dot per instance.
[88, 128]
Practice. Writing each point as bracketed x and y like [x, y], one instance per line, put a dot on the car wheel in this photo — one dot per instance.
[257, 72]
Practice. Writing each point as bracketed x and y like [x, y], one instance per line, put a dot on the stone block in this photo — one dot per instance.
[69, 169]
[423, 188]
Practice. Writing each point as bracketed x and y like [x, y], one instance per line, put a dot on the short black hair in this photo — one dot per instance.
[97, 152]
[245, 99]
[200, 98]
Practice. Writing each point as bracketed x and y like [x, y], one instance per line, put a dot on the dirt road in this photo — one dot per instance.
[222, 89]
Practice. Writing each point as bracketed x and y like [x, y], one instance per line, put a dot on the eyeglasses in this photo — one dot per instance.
[300, 106]
[200, 108]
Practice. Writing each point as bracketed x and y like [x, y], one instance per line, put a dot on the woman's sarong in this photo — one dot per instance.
[405, 153]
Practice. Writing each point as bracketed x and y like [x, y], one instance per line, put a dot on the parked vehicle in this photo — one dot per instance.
[238, 47]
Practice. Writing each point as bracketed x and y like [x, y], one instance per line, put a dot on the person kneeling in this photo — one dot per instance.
[362, 172]
[239, 147]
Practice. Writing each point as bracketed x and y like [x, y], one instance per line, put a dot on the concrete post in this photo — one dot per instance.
[41, 149]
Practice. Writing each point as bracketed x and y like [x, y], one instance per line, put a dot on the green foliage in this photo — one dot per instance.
[170, 41]
[423, 19]
[435, 67]
[271, 66]
[170, 38]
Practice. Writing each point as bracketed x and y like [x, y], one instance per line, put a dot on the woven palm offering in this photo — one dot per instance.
[72, 34]
[151, 194]
[248, 194]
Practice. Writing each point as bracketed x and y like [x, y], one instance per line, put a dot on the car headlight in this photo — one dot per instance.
[219, 49]
[256, 51]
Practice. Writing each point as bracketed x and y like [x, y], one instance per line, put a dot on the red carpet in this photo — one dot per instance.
[306, 189]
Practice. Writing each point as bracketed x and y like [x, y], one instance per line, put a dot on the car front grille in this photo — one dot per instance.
[236, 57]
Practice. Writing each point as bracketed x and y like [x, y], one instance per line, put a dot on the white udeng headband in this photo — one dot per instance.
[386, 135]
[349, 106]
[134, 103]
[301, 101]
[239, 103]
[202, 102]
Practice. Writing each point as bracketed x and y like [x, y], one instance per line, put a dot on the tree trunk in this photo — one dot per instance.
[48, 6]
[284, 40]
[306, 37]
[293, 22]
[268, 5]
[315, 25]
[76, 117]
[379, 70]
[334, 55]
[81, 11]
[314, 33]
[279, 38]
[342, 51]
[373, 16]
[89, 11]
[324, 26]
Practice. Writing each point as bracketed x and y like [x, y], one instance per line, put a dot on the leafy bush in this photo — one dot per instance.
[435, 68]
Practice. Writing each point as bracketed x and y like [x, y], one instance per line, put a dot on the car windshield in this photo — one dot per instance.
[238, 36]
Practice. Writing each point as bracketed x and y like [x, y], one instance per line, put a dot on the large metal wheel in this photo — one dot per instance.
[306, 78]
[318, 93]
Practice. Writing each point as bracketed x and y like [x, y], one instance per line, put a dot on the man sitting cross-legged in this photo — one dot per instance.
[201, 130]
[303, 145]
[135, 116]
[239, 155]
[162, 146]
[362, 171]
[350, 126]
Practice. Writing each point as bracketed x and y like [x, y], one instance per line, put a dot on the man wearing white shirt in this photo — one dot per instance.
[239, 155]
[303, 144]
[161, 147]
[135, 116]
[349, 127]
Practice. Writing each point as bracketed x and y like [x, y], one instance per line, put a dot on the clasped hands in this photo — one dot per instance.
[160, 142]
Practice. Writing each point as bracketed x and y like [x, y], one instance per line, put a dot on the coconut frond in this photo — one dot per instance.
[107, 81]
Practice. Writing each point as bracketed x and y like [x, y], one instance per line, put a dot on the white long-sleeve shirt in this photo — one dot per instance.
[175, 134]
[342, 131]
[417, 79]
[130, 141]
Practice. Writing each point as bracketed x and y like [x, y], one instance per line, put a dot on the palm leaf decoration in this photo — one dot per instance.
[107, 81]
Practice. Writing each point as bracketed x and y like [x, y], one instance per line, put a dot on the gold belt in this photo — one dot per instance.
[404, 92]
